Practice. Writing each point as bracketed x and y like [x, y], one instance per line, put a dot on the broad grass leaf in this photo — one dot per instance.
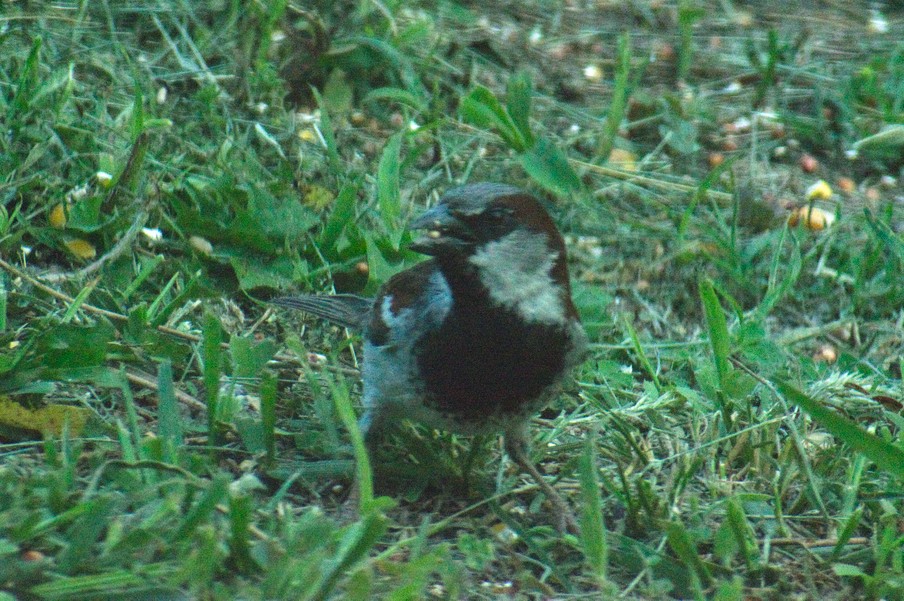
[888, 457]
[482, 109]
[549, 167]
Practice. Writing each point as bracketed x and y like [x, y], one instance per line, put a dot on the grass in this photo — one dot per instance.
[166, 168]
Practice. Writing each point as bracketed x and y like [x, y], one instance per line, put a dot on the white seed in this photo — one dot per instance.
[103, 178]
[593, 72]
[153, 234]
[201, 245]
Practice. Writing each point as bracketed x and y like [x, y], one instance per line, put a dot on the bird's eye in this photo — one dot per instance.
[497, 213]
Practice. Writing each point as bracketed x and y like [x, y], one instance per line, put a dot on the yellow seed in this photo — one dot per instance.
[623, 159]
[58, 216]
[826, 354]
[81, 248]
[814, 218]
[307, 135]
[819, 191]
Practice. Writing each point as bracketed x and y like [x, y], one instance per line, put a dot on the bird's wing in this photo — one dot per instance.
[347, 310]
[410, 304]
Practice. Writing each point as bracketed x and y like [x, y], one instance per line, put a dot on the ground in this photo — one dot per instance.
[728, 179]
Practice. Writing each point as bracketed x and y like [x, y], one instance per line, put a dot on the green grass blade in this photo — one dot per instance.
[3, 300]
[169, 421]
[240, 511]
[362, 460]
[329, 136]
[532, 542]
[212, 358]
[717, 328]
[392, 55]
[121, 584]
[154, 307]
[77, 302]
[398, 95]
[268, 415]
[700, 193]
[890, 137]
[547, 165]
[357, 540]
[742, 532]
[517, 104]
[641, 354]
[885, 455]
[847, 531]
[593, 531]
[481, 108]
[892, 242]
[200, 512]
[619, 103]
[342, 216]
[775, 289]
[720, 343]
[388, 194]
[683, 545]
[146, 270]
[688, 14]
[28, 81]
[84, 533]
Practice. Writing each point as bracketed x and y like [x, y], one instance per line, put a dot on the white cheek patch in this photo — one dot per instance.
[516, 272]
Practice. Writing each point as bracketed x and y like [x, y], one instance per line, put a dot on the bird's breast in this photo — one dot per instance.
[488, 363]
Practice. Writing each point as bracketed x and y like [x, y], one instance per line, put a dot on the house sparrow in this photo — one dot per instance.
[477, 338]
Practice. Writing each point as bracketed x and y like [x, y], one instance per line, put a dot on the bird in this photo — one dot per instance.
[478, 338]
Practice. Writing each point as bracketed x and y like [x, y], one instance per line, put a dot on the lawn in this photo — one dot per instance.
[728, 178]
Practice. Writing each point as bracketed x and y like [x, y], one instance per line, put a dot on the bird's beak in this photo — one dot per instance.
[443, 232]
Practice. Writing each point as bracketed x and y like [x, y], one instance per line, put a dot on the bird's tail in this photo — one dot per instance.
[346, 310]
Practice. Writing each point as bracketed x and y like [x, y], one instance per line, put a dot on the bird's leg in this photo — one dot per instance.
[516, 445]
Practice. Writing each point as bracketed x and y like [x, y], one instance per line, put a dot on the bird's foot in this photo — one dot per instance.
[565, 520]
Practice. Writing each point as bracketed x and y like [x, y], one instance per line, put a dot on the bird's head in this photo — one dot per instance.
[469, 217]
[504, 236]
